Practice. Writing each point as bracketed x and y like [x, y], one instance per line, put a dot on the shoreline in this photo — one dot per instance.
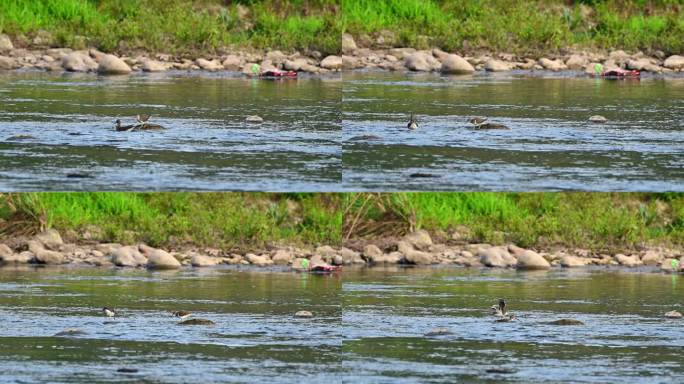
[458, 63]
[416, 249]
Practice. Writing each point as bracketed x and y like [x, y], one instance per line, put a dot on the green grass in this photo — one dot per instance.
[520, 26]
[587, 220]
[176, 26]
[163, 219]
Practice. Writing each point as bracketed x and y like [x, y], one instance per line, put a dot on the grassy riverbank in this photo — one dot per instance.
[170, 219]
[174, 26]
[585, 220]
[535, 26]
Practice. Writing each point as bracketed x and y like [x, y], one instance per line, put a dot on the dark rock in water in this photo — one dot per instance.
[127, 370]
[75, 134]
[441, 331]
[303, 314]
[500, 370]
[21, 137]
[566, 322]
[365, 137]
[70, 332]
[423, 175]
[79, 176]
[196, 322]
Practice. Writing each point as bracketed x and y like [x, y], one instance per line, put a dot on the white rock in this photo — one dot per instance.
[261, 260]
[150, 65]
[303, 314]
[254, 119]
[204, 261]
[569, 261]
[551, 65]
[160, 259]
[597, 119]
[674, 62]
[208, 65]
[332, 62]
[456, 65]
[493, 65]
[673, 315]
[112, 65]
[628, 261]
[532, 260]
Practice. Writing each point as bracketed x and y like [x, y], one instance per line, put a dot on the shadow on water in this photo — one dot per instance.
[53, 126]
[550, 144]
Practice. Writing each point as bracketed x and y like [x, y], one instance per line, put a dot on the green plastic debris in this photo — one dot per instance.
[305, 263]
[675, 264]
[256, 69]
[598, 68]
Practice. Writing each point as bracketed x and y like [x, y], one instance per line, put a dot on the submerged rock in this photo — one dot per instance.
[566, 322]
[254, 119]
[598, 119]
[303, 314]
[441, 331]
[127, 370]
[196, 322]
[673, 315]
[70, 332]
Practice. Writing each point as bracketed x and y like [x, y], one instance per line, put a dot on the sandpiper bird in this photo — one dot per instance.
[413, 123]
[481, 123]
[501, 312]
[108, 312]
[181, 314]
[142, 119]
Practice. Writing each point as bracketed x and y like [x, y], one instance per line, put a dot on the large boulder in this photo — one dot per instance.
[493, 65]
[348, 256]
[421, 62]
[390, 258]
[551, 65]
[112, 65]
[258, 260]
[326, 251]
[128, 256]
[651, 258]
[7, 63]
[160, 259]
[45, 256]
[532, 260]
[628, 261]
[575, 62]
[419, 239]
[456, 65]
[674, 62]
[50, 239]
[282, 257]
[332, 62]
[231, 63]
[497, 257]
[371, 251]
[78, 62]
[348, 43]
[208, 65]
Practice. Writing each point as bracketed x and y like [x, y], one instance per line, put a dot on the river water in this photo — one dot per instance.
[550, 144]
[71, 143]
[369, 326]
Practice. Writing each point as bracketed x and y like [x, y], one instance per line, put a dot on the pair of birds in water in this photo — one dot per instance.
[142, 124]
[179, 314]
[478, 122]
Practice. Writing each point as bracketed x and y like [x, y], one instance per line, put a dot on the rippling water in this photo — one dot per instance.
[625, 338]
[255, 337]
[550, 146]
[207, 144]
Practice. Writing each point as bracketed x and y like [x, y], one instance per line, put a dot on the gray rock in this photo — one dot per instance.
[413, 256]
[532, 260]
[419, 62]
[5, 43]
[351, 62]
[326, 251]
[303, 314]
[78, 62]
[45, 256]
[673, 315]
[112, 65]
[196, 322]
[254, 119]
[419, 239]
[204, 261]
[496, 257]
[282, 257]
[332, 62]
[371, 251]
[597, 119]
[261, 260]
[551, 65]
[128, 256]
[150, 65]
[493, 65]
[231, 63]
[348, 43]
[674, 62]
[50, 238]
[350, 257]
[441, 331]
[295, 65]
[569, 261]
[390, 258]
[7, 63]
[160, 259]
[456, 65]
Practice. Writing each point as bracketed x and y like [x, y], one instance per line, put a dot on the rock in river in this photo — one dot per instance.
[673, 315]
[566, 322]
[441, 331]
[303, 314]
[112, 65]
[254, 119]
[197, 322]
[160, 259]
[456, 65]
[532, 260]
[597, 119]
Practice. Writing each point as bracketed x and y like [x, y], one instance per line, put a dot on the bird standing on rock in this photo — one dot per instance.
[181, 314]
